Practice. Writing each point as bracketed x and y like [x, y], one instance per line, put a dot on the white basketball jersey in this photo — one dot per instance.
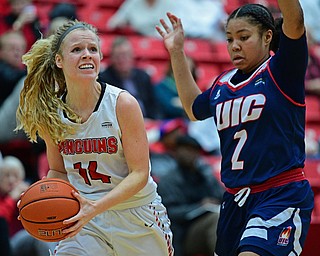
[94, 158]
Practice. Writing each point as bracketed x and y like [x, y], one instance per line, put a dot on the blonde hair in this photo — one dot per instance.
[40, 98]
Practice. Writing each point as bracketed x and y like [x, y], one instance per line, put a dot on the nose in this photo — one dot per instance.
[12, 179]
[86, 54]
[17, 49]
[235, 46]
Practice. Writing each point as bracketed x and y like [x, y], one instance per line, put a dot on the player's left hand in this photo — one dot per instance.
[173, 36]
[86, 213]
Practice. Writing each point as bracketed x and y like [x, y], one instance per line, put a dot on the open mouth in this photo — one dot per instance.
[237, 59]
[86, 66]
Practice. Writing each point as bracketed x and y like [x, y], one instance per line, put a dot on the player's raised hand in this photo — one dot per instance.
[173, 36]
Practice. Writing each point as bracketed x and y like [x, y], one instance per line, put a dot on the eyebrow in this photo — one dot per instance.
[77, 43]
[239, 31]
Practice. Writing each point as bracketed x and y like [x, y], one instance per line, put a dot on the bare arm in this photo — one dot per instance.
[136, 151]
[56, 165]
[173, 38]
[293, 21]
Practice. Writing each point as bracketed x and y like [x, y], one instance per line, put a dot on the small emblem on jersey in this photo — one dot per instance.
[217, 95]
[284, 236]
[106, 124]
[259, 82]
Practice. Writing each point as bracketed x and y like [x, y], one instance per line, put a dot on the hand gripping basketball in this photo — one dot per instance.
[45, 205]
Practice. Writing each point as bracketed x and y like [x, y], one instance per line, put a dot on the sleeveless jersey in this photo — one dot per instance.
[261, 129]
[94, 157]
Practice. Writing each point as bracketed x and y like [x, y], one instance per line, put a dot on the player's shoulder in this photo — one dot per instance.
[126, 101]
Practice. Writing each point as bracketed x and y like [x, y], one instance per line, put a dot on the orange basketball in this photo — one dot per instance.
[45, 205]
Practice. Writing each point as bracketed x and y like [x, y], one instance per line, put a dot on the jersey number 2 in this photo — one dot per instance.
[236, 163]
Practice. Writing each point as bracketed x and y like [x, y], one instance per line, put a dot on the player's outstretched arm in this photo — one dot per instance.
[173, 38]
[293, 21]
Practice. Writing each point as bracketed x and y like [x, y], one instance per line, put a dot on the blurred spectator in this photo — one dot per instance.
[192, 195]
[66, 10]
[59, 14]
[122, 73]
[167, 95]
[202, 18]
[170, 107]
[312, 144]
[12, 74]
[12, 184]
[162, 153]
[22, 17]
[12, 47]
[16, 143]
[55, 24]
[140, 15]
[8, 116]
[311, 10]
[206, 133]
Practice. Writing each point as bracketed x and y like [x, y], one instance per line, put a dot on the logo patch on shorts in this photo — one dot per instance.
[284, 236]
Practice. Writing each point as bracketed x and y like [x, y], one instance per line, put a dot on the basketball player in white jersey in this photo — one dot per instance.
[95, 138]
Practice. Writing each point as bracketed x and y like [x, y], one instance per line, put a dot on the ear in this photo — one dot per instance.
[58, 61]
[268, 37]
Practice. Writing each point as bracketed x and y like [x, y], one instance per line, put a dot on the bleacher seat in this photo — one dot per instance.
[231, 5]
[312, 172]
[4, 7]
[113, 4]
[200, 50]
[43, 11]
[150, 48]
[221, 55]
[44, 7]
[312, 109]
[96, 16]
[106, 41]
[155, 68]
[313, 131]
[206, 73]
